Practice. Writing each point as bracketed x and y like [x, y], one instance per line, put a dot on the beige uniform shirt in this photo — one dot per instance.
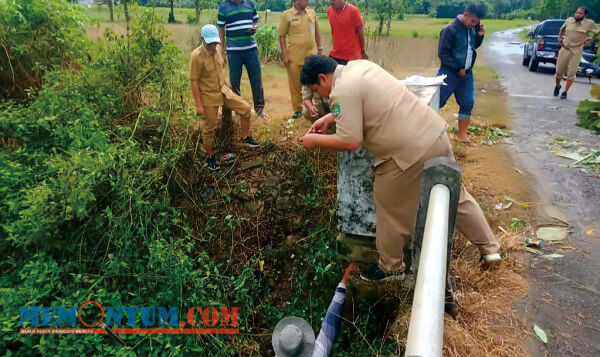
[576, 33]
[209, 71]
[370, 105]
[299, 30]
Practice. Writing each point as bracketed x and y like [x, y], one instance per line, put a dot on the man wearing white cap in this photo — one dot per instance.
[293, 336]
[210, 91]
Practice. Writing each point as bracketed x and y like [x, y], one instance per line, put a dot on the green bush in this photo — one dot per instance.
[86, 202]
[588, 111]
[37, 36]
[268, 43]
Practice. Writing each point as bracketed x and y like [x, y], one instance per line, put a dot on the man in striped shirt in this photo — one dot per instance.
[237, 22]
[294, 337]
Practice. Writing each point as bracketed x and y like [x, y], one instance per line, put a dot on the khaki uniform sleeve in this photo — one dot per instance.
[195, 67]
[316, 23]
[595, 28]
[284, 25]
[307, 93]
[347, 110]
[564, 25]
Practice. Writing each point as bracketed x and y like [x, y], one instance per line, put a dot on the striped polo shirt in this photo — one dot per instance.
[238, 19]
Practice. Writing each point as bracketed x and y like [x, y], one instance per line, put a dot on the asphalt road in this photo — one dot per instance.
[565, 293]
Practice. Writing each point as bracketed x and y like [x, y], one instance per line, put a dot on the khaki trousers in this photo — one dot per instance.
[212, 121]
[293, 74]
[396, 201]
[568, 61]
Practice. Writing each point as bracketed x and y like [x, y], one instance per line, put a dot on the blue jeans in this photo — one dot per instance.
[463, 89]
[250, 59]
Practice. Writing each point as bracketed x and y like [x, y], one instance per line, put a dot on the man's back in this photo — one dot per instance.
[373, 106]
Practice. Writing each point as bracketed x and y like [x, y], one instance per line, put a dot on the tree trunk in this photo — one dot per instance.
[172, 13]
[110, 10]
[126, 11]
[198, 11]
[266, 13]
[388, 22]
[380, 26]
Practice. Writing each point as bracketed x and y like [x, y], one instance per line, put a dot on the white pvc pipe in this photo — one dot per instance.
[426, 329]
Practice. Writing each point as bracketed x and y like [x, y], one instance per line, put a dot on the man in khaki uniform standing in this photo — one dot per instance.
[572, 37]
[210, 91]
[298, 38]
[369, 105]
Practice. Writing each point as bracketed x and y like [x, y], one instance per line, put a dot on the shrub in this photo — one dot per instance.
[268, 43]
[37, 36]
[87, 201]
[588, 111]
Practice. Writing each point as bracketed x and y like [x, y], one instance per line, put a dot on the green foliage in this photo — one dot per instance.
[517, 223]
[268, 43]
[588, 111]
[37, 36]
[86, 208]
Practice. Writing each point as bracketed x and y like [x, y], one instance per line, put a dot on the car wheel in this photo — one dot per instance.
[533, 64]
[525, 57]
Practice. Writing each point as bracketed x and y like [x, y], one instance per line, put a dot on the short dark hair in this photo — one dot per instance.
[476, 9]
[584, 9]
[315, 65]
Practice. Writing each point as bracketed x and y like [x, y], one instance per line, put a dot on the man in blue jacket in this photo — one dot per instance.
[456, 49]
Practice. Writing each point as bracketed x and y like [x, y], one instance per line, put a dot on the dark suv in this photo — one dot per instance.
[543, 45]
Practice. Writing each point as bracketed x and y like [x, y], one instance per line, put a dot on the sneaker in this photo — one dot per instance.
[212, 163]
[563, 95]
[297, 115]
[261, 114]
[228, 157]
[490, 260]
[380, 275]
[557, 90]
[251, 142]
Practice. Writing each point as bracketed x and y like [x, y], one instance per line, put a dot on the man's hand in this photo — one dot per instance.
[481, 30]
[560, 41]
[320, 51]
[308, 141]
[365, 55]
[462, 72]
[320, 125]
[286, 61]
[587, 43]
[314, 112]
[199, 109]
[348, 272]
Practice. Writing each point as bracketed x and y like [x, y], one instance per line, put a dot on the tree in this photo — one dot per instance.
[198, 4]
[110, 10]
[172, 13]
[126, 12]
[384, 11]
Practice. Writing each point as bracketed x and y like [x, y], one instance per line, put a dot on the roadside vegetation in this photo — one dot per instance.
[104, 196]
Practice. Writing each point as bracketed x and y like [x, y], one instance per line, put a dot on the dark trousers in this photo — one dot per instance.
[463, 89]
[248, 58]
[340, 61]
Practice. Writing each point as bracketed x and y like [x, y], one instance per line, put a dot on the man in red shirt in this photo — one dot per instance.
[347, 30]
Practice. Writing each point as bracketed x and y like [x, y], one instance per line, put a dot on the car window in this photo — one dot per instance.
[537, 30]
[550, 28]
